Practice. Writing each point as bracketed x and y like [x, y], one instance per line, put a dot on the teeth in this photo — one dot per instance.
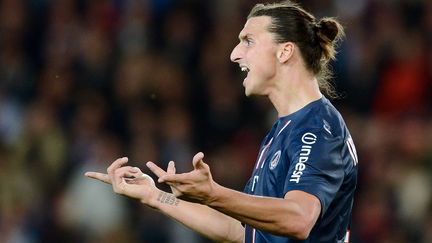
[245, 69]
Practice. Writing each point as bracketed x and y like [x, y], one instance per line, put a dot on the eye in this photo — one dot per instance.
[248, 41]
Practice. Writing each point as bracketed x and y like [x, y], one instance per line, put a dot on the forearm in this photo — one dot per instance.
[200, 218]
[275, 215]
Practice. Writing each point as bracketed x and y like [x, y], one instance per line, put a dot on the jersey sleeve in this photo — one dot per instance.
[316, 165]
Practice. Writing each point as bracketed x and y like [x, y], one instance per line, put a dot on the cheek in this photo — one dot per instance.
[265, 64]
[261, 60]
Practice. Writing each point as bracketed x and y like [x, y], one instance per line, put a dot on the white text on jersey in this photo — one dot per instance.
[308, 139]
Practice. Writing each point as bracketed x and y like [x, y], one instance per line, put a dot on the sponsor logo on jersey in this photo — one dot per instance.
[275, 160]
[308, 139]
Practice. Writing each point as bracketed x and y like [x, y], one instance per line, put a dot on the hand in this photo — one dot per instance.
[128, 181]
[196, 186]
[171, 170]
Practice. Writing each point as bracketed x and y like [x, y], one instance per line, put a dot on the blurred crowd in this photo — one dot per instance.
[85, 82]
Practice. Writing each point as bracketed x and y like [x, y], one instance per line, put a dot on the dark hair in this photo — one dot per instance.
[316, 39]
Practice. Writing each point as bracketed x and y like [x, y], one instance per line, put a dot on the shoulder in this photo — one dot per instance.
[322, 117]
[321, 126]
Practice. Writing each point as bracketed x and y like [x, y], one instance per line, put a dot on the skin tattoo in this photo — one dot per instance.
[168, 198]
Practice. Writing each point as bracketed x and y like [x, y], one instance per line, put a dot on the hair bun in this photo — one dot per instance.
[328, 31]
[328, 28]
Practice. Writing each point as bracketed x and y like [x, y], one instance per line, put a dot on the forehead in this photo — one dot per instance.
[255, 26]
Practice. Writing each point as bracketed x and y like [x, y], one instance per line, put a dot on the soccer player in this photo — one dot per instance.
[303, 182]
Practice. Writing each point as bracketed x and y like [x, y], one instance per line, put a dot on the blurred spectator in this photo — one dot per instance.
[85, 205]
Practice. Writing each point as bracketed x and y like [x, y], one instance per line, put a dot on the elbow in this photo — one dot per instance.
[301, 233]
[301, 223]
[298, 230]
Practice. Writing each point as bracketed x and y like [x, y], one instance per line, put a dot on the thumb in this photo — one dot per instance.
[197, 160]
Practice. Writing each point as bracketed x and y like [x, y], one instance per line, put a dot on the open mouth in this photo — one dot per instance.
[245, 69]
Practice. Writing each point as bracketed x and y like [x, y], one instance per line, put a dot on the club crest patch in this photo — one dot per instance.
[275, 160]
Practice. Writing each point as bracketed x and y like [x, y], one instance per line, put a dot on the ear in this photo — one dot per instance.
[286, 50]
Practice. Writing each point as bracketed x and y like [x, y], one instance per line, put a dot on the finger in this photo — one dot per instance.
[175, 178]
[156, 169]
[119, 178]
[144, 176]
[138, 179]
[127, 171]
[124, 172]
[171, 168]
[117, 164]
[197, 160]
[98, 176]
[138, 170]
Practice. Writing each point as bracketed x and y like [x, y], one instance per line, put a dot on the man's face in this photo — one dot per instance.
[256, 55]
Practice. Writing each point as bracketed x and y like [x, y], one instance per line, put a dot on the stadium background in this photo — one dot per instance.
[85, 82]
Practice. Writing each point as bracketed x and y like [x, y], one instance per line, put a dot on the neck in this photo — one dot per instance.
[294, 92]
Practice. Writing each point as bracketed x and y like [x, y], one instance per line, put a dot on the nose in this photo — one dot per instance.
[236, 54]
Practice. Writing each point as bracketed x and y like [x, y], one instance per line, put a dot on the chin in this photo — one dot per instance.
[248, 92]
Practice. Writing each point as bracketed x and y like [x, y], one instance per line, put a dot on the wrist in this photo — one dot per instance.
[215, 195]
[152, 200]
[163, 199]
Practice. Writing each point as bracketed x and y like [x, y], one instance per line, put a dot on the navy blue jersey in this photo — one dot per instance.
[310, 150]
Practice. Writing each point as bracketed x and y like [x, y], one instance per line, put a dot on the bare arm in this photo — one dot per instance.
[131, 182]
[294, 215]
[200, 218]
